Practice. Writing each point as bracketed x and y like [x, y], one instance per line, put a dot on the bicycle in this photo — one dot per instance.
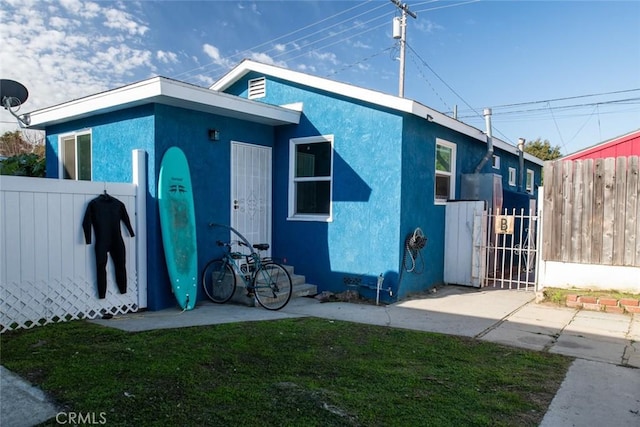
[526, 252]
[264, 279]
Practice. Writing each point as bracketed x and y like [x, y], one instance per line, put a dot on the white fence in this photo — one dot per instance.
[47, 271]
[486, 248]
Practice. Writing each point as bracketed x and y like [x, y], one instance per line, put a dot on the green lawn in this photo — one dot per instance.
[296, 372]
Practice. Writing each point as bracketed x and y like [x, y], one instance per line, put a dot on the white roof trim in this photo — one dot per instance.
[366, 95]
[168, 92]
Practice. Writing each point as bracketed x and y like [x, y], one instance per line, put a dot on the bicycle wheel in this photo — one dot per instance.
[218, 281]
[272, 286]
[526, 255]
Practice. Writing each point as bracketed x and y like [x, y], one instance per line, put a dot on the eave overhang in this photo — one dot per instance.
[164, 91]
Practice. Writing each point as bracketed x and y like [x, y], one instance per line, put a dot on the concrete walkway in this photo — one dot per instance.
[602, 386]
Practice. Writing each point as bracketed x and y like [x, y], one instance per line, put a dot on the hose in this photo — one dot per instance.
[414, 243]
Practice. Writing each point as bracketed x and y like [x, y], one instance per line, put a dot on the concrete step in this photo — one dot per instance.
[304, 290]
[300, 289]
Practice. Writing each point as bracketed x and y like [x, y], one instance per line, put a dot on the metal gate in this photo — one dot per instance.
[510, 249]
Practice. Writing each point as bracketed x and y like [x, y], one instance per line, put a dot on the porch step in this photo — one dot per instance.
[300, 289]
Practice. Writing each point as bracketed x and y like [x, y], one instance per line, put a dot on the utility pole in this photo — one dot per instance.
[403, 39]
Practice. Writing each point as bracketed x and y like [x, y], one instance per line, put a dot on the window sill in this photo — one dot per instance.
[312, 218]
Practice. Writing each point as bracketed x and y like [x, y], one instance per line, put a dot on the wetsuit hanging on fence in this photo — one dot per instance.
[105, 213]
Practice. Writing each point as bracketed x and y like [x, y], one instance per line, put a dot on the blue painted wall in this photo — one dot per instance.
[418, 208]
[155, 128]
[209, 163]
[383, 184]
[113, 137]
[361, 242]
[383, 189]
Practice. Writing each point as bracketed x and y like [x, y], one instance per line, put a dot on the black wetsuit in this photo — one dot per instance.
[105, 213]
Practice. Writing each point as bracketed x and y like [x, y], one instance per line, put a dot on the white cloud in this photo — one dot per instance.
[122, 59]
[428, 26]
[264, 58]
[325, 57]
[120, 20]
[306, 68]
[67, 49]
[87, 10]
[213, 53]
[226, 62]
[280, 47]
[359, 44]
[60, 23]
[205, 80]
[166, 57]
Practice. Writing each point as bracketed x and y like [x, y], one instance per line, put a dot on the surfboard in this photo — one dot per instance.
[178, 226]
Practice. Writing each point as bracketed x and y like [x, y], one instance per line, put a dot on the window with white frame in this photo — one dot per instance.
[75, 156]
[445, 171]
[310, 178]
[530, 181]
[512, 177]
[496, 162]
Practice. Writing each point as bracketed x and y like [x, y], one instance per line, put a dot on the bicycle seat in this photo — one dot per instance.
[261, 246]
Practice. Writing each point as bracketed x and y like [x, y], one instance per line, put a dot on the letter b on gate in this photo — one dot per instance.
[504, 224]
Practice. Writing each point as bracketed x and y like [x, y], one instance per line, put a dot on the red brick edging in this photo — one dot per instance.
[610, 305]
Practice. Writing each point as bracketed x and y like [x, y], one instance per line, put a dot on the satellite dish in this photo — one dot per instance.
[12, 95]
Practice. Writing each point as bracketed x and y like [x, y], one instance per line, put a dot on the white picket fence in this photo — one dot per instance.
[47, 271]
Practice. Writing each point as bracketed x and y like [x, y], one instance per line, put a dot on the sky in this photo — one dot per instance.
[564, 71]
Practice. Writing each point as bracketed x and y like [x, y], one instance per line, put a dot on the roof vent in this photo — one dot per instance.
[257, 88]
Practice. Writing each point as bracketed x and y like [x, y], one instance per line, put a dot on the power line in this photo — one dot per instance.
[306, 36]
[360, 61]
[565, 98]
[557, 127]
[216, 66]
[626, 101]
[429, 83]
[456, 93]
[276, 39]
[447, 6]
[442, 80]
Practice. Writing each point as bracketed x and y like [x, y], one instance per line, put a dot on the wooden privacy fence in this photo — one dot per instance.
[592, 211]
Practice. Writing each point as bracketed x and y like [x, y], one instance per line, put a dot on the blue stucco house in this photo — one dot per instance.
[333, 176]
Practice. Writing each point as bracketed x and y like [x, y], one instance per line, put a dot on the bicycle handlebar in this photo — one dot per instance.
[236, 232]
[221, 243]
[242, 242]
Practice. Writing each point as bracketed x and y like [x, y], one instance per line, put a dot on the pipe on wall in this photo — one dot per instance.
[521, 142]
[489, 154]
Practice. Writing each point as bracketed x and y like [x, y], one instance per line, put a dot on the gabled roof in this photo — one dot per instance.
[165, 91]
[628, 143]
[361, 94]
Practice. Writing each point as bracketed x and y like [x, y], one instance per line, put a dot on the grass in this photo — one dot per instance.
[294, 372]
[559, 296]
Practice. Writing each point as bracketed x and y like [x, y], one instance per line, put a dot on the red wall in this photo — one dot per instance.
[627, 145]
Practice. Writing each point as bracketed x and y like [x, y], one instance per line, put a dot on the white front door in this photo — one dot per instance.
[251, 192]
